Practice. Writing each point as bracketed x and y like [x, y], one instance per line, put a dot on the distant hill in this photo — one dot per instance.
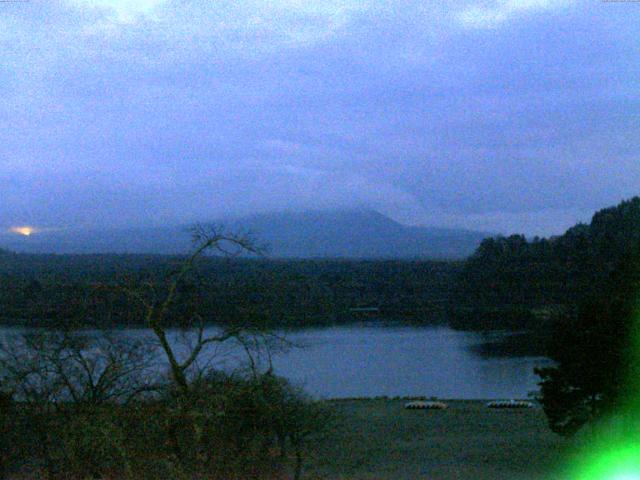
[320, 234]
[357, 234]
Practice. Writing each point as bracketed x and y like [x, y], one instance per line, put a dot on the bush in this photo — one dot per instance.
[226, 426]
[247, 427]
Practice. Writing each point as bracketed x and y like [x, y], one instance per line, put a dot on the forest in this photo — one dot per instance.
[509, 283]
[45, 289]
[514, 283]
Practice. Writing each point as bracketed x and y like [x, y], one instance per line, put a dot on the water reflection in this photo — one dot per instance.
[359, 361]
[371, 361]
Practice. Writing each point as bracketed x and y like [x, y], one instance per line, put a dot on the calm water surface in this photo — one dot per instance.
[365, 361]
[371, 361]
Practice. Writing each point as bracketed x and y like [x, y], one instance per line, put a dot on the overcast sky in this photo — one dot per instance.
[504, 116]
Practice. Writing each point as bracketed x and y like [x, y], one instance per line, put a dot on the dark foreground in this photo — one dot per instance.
[379, 439]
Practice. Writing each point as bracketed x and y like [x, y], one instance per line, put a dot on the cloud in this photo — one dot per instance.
[161, 110]
[249, 27]
[543, 223]
[121, 11]
[499, 12]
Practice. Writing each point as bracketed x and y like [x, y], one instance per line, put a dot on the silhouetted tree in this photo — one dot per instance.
[158, 300]
[594, 351]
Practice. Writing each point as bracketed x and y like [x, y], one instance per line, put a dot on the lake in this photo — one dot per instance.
[367, 361]
[399, 361]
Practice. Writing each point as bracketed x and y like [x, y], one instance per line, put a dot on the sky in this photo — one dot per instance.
[497, 115]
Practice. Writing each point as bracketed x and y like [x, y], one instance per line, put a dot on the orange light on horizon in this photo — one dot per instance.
[25, 231]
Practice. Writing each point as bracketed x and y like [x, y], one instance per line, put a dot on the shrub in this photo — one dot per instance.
[235, 426]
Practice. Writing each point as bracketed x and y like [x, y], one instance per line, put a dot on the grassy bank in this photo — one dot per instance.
[379, 439]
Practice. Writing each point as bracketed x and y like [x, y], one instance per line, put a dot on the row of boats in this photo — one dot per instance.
[436, 405]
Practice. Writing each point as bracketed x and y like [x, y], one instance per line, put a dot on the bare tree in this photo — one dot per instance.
[77, 384]
[60, 367]
[157, 307]
[61, 377]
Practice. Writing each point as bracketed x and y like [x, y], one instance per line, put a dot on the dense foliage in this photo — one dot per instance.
[44, 289]
[227, 427]
[596, 354]
[511, 282]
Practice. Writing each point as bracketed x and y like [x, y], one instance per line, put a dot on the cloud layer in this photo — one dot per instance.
[498, 115]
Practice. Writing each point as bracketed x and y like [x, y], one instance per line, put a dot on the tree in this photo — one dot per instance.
[158, 302]
[65, 380]
[58, 367]
[595, 354]
[83, 394]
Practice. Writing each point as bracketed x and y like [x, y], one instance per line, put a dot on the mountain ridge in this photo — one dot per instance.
[356, 234]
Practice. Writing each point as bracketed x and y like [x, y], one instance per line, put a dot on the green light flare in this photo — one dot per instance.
[617, 462]
[616, 453]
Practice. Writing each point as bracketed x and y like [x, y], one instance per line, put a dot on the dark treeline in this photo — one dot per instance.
[595, 353]
[41, 289]
[513, 283]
